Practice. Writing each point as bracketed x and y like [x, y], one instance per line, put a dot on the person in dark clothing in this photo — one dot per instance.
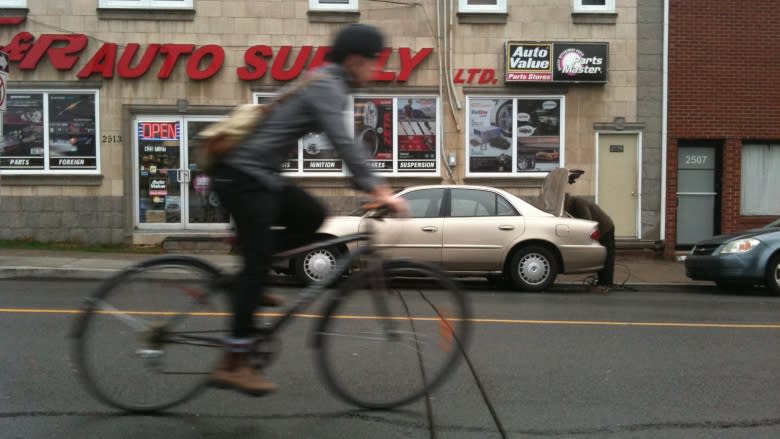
[584, 209]
[252, 189]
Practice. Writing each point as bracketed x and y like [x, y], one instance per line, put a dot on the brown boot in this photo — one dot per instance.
[272, 300]
[235, 372]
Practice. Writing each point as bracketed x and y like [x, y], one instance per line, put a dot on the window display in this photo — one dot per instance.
[508, 136]
[400, 135]
[58, 136]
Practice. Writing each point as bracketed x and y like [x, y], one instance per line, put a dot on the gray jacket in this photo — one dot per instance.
[320, 106]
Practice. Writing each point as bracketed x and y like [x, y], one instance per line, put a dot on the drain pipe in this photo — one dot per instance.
[664, 119]
[442, 79]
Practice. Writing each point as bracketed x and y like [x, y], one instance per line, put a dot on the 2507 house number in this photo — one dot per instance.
[691, 159]
[112, 139]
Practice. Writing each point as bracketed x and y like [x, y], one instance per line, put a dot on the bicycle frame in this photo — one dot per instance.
[316, 288]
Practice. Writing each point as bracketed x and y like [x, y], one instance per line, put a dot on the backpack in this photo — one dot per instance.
[214, 142]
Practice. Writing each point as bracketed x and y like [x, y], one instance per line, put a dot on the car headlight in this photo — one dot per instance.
[740, 245]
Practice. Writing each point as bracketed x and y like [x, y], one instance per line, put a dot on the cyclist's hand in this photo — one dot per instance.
[383, 195]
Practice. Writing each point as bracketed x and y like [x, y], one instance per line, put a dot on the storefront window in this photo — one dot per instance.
[333, 5]
[50, 131]
[512, 136]
[484, 6]
[13, 3]
[594, 5]
[760, 191]
[145, 4]
[400, 135]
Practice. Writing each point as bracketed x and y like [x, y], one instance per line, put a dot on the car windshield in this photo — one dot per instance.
[775, 223]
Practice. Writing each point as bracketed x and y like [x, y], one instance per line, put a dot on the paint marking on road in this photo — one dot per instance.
[423, 319]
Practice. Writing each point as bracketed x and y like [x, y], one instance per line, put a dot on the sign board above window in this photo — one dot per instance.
[534, 61]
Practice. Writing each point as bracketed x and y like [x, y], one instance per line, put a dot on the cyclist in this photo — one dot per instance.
[252, 189]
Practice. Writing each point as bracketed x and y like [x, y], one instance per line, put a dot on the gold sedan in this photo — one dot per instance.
[476, 230]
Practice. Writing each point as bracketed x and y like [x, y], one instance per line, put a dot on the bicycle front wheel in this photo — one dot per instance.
[383, 344]
[149, 337]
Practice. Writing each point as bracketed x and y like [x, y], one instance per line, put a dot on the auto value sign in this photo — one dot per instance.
[533, 61]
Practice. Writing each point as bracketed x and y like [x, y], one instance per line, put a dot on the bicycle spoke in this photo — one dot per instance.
[151, 335]
[405, 350]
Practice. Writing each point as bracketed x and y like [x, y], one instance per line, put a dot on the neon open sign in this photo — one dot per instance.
[158, 131]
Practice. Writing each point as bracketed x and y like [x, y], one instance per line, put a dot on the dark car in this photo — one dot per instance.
[743, 259]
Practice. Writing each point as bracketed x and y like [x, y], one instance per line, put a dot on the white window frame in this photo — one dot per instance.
[46, 153]
[318, 5]
[145, 4]
[514, 173]
[13, 3]
[350, 118]
[766, 204]
[609, 6]
[498, 8]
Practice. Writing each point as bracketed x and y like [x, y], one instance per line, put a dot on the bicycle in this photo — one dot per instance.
[136, 354]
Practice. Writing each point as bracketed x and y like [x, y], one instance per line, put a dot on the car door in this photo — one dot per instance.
[478, 227]
[419, 236]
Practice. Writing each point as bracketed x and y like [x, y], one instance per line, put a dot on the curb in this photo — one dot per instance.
[48, 273]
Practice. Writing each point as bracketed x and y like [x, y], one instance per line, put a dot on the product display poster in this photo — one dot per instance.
[72, 131]
[319, 155]
[374, 130]
[291, 165]
[416, 135]
[21, 146]
[538, 135]
[490, 135]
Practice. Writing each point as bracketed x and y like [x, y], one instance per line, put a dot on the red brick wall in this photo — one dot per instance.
[724, 84]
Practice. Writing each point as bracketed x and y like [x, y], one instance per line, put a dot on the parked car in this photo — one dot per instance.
[475, 230]
[742, 259]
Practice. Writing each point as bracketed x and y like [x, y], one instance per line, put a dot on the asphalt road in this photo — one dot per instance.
[692, 363]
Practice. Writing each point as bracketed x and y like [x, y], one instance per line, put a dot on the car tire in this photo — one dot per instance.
[533, 268]
[773, 275]
[316, 264]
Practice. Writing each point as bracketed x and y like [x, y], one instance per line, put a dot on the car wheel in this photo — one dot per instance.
[533, 268]
[316, 264]
[773, 275]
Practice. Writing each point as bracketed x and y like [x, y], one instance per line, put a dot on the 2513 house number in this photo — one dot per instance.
[112, 139]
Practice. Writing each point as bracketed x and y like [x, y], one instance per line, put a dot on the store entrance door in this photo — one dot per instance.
[171, 193]
[697, 194]
[618, 181]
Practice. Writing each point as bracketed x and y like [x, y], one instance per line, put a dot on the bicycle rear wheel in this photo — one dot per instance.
[384, 346]
[150, 335]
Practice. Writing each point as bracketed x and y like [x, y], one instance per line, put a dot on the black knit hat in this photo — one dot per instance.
[358, 39]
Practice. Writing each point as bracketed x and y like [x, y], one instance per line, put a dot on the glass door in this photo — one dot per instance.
[203, 208]
[158, 173]
[171, 192]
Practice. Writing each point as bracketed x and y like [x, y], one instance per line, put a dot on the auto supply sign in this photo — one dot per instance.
[556, 62]
[3, 80]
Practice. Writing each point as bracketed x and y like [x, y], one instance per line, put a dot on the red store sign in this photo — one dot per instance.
[201, 62]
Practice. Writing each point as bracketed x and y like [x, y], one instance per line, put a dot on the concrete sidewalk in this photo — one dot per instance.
[629, 269]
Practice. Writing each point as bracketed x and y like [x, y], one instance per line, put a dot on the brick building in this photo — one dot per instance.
[105, 97]
[723, 112]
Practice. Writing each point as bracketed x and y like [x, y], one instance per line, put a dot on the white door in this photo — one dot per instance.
[618, 181]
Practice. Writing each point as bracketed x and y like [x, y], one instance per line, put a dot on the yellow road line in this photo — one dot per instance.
[473, 320]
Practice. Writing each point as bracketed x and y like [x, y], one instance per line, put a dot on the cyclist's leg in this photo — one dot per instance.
[301, 214]
[253, 207]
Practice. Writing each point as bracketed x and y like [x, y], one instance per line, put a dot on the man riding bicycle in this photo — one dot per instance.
[251, 188]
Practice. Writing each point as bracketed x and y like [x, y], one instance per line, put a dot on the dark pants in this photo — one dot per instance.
[607, 274]
[255, 208]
